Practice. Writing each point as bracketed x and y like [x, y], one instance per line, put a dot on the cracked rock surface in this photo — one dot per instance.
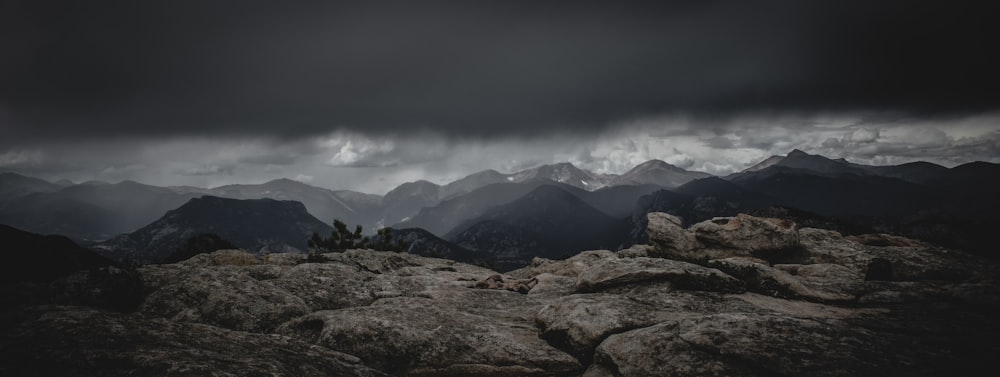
[739, 296]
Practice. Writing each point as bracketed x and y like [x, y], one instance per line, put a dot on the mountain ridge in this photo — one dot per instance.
[256, 225]
[547, 222]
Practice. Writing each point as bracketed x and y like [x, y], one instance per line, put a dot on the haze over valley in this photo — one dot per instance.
[509, 218]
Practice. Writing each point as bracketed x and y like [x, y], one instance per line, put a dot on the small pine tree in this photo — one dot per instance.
[342, 239]
[383, 242]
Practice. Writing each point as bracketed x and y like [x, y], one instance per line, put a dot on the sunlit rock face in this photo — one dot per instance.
[730, 296]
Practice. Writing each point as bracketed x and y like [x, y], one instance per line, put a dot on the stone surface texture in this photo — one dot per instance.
[740, 296]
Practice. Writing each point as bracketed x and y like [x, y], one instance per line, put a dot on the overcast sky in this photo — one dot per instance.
[366, 95]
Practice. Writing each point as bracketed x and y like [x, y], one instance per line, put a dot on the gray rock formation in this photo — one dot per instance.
[721, 237]
[665, 231]
[614, 272]
[756, 298]
[744, 232]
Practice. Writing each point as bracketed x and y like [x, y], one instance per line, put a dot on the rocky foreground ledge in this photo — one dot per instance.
[739, 296]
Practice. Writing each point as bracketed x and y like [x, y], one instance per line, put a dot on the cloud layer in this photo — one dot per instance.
[74, 70]
[376, 164]
[366, 95]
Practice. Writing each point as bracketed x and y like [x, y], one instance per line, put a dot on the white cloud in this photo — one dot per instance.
[864, 135]
[361, 152]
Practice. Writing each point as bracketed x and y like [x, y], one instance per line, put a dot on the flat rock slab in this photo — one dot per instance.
[612, 272]
[234, 291]
[745, 345]
[418, 337]
[578, 323]
[225, 296]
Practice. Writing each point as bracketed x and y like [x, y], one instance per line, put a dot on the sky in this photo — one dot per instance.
[366, 95]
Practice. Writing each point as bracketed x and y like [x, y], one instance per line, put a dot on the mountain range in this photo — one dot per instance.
[507, 219]
[93, 211]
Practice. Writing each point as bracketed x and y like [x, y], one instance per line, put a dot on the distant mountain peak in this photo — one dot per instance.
[653, 162]
[658, 164]
[558, 165]
[284, 182]
[562, 164]
[95, 183]
[797, 153]
[657, 172]
[485, 172]
[418, 184]
[424, 182]
[978, 164]
[768, 162]
[800, 162]
[923, 163]
[131, 183]
[563, 172]
[471, 182]
[819, 164]
[561, 167]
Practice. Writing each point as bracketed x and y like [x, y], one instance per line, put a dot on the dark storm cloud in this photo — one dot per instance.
[74, 69]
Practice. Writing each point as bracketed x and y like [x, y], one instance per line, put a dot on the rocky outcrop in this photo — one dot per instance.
[79, 341]
[721, 237]
[614, 272]
[747, 233]
[667, 233]
[419, 336]
[727, 301]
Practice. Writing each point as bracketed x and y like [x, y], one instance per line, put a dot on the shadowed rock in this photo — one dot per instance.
[76, 341]
[739, 344]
